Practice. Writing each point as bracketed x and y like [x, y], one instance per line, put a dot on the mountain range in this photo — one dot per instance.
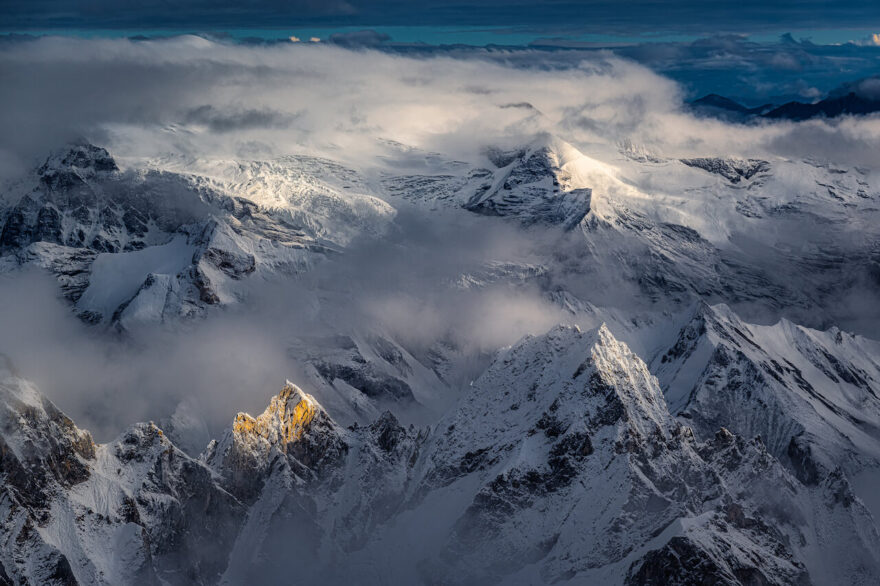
[850, 99]
[707, 411]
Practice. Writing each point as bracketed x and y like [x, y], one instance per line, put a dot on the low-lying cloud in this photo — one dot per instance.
[239, 356]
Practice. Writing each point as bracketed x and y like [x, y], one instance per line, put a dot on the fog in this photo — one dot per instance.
[106, 382]
[406, 286]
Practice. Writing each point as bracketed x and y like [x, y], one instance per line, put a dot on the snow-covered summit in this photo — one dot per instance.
[811, 396]
[76, 162]
[147, 244]
[537, 184]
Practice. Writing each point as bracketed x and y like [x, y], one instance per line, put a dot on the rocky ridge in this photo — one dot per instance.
[562, 464]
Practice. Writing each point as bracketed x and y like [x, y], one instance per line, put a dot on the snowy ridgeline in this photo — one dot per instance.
[173, 237]
[563, 463]
[734, 453]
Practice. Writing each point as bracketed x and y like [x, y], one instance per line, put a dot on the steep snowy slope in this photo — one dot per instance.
[326, 199]
[133, 511]
[811, 396]
[582, 470]
[768, 237]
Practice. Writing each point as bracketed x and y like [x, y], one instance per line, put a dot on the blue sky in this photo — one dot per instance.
[620, 18]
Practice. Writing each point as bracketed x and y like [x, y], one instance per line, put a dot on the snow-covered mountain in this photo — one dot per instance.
[811, 396]
[561, 464]
[149, 245]
[768, 237]
[713, 421]
[133, 511]
[174, 236]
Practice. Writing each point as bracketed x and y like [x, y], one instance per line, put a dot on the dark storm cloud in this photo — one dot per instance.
[365, 38]
[779, 71]
[738, 67]
[586, 15]
[235, 119]
[160, 13]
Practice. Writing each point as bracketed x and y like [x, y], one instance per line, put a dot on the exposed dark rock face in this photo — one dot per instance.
[83, 205]
[563, 463]
[683, 562]
[535, 189]
[40, 448]
[368, 380]
[734, 170]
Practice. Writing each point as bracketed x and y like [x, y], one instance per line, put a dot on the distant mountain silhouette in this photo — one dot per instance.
[722, 103]
[829, 107]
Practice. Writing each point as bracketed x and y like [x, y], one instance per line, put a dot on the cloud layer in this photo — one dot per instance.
[189, 94]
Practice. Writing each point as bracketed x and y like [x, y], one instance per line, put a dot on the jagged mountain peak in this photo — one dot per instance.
[29, 409]
[563, 429]
[39, 445]
[535, 184]
[545, 145]
[81, 160]
[812, 396]
[294, 426]
[621, 369]
[562, 151]
[76, 512]
[289, 415]
[82, 155]
[567, 386]
[590, 356]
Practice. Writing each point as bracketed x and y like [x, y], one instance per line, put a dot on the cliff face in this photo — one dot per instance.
[135, 510]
